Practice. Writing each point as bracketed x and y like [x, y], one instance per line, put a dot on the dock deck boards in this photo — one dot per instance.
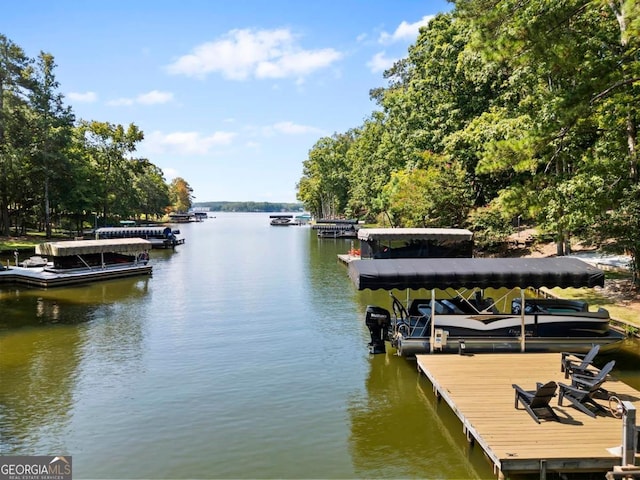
[478, 388]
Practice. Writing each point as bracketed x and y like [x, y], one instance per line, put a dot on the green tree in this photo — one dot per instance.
[82, 199]
[181, 195]
[14, 137]
[433, 93]
[309, 192]
[436, 194]
[560, 54]
[370, 170]
[109, 145]
[52, 124]
[324, 187]
[151, 189]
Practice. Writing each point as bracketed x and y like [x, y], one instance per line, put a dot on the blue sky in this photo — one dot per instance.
[231, 95]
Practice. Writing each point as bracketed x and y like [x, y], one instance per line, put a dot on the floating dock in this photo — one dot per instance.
[41, 278]
[336, 228]
[478, 388]
[82, 261]
[347, 258]
[159, 236]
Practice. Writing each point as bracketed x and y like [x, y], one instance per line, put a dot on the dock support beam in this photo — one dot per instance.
[433, 321]
[543, 469]
[522, 333]
[629, 433]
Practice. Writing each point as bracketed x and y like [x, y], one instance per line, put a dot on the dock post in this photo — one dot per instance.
[543, 469]
[629, 433]
[433, 321]
[522, 332]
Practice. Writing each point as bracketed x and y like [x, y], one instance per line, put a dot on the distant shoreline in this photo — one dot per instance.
[254, 207]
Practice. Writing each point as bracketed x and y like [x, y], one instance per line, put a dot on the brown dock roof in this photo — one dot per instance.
[84, 247]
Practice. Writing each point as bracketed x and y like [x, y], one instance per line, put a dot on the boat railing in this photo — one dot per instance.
[410, 325]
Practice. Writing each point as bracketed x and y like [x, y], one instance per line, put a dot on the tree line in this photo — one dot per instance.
[59, 172]
[250, 206]
[502, 112]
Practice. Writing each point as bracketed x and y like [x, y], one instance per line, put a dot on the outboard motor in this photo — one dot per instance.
[378, 320]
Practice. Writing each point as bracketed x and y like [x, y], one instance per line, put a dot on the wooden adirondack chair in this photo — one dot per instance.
[537, 402]
[583, 388]
[577, 363]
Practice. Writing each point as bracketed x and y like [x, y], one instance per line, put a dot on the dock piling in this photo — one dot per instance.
[629, 433]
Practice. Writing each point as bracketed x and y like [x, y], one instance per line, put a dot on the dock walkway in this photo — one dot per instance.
[478, 388]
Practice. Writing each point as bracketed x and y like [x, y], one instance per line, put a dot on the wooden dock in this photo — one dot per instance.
[478, 388]
[346, 258]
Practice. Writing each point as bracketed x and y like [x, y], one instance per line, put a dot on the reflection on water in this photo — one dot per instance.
[25, 307]
[627, 362]
[244, 355]
[398, 430]
[43, 342]
[39, 370]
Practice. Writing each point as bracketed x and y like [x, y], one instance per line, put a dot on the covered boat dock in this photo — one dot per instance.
[480, 273]
[415, 242]
[159, 236]
[336, 228]
[81, 261]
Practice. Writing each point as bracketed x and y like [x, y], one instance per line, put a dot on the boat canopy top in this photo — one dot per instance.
[157, 230]
[367, 234]
[338, 221]
[85, 247]
[442, 273]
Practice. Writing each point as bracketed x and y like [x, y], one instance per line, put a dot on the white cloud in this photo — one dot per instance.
[380, 63]
[245, 53]
[290, 128]
[170, 173]
[186, 143]
[405, 32]
[86, 97]
[154, 97]
[150, 98]
[296, 64]
[120, 102]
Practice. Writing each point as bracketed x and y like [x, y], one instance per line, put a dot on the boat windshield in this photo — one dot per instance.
[443, 307]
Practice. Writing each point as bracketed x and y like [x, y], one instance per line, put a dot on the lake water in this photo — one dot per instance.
[244, 355]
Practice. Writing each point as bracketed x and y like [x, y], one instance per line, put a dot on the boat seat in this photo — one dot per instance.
[485, 304]
[529, 308]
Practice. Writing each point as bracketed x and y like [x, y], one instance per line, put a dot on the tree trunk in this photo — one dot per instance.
[560, 243]
[5, 224]
[47, 209]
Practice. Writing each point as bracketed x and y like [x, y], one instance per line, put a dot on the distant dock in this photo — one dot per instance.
[338, 228]
[478, 388]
